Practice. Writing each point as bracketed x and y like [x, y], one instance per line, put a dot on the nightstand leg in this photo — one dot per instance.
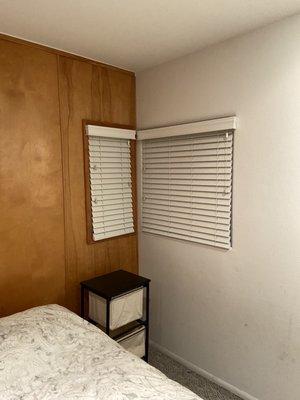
[147, 323]
[107, 330]
[82, 302]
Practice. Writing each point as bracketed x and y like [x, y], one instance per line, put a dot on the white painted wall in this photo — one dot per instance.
[236, 314]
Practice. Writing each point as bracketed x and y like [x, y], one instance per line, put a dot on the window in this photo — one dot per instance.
[109, 178]
[187, 181]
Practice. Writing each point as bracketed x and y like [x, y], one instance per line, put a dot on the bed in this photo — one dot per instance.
[49, 352]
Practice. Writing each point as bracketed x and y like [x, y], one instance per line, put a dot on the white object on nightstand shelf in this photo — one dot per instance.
[123, 309]
[134, 342]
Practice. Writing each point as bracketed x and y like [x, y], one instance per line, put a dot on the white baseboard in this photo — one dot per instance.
[204, 373]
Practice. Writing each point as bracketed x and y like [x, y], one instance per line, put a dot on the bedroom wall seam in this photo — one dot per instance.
[231, 388]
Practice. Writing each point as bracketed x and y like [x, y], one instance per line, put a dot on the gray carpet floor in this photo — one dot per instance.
[197, 383]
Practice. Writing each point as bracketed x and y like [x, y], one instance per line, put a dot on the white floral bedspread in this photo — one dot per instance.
[50, 353]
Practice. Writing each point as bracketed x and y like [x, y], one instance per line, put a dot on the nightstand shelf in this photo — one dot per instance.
[123, 330]
[118, 304]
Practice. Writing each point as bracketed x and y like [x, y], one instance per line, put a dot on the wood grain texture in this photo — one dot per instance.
[44, 96]
[32, 268]
[51, 50]
[90, 92]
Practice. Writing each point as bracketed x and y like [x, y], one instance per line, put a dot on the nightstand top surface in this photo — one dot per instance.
[115, 283]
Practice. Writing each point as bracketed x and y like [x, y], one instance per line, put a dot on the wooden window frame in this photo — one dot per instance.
[87, 186]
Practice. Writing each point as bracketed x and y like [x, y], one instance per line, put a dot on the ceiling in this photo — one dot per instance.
[137, 34]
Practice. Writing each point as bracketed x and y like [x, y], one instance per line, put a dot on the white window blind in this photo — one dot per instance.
[110, 184]
[187, 187]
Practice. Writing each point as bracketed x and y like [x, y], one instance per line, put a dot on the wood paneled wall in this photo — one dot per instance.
[44, 96]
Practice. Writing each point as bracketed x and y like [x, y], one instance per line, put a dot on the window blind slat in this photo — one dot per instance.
[112, 233]
[187, 201]
[188, 238]
[187, 140]
[116, 203]
[113, 211]
[114, 217]
[181, 168]
[109, 162]
[102, 142]
[104, 197]
[187, 187]
[202, 147]
[111, 180]
[204, 210]
[181, 190]
[104, 177]
[190, 234]
[186, 224]
[204, 219]
[188, 153]
[97, 208]
[191, 177]
[100, 191]
[186, 230]
[100, 227]
[109, 147]
[186, 160]
[205, 185]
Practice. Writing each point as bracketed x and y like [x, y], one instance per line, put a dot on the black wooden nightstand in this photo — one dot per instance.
[118, 303]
